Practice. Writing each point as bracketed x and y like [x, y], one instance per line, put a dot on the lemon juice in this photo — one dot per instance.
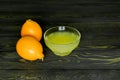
[63, 42]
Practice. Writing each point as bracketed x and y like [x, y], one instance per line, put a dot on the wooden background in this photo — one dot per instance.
[97, 20]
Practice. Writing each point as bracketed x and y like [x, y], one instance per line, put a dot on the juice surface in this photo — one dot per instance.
[62, 37]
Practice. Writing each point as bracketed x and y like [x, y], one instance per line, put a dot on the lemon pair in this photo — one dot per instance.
[28, 46]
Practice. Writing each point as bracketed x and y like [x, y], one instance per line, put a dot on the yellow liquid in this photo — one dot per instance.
[62, 43]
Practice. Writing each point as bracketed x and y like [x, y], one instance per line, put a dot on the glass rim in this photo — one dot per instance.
[72, 28]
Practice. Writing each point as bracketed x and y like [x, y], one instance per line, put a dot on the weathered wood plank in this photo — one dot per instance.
[88, 59]
[66, 8]
[59, 74]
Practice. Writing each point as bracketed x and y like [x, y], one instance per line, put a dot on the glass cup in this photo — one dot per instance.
[62, 40]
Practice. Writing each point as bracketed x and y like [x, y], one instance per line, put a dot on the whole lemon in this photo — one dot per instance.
[29, 48]
[31, 28]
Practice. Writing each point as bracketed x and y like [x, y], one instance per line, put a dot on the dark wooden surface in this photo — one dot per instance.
[59, 75]
[97, 20]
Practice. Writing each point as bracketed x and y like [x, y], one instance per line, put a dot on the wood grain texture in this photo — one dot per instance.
[59, 74]
[97, 20]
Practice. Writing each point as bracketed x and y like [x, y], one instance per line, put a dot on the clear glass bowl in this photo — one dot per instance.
[62, 40]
